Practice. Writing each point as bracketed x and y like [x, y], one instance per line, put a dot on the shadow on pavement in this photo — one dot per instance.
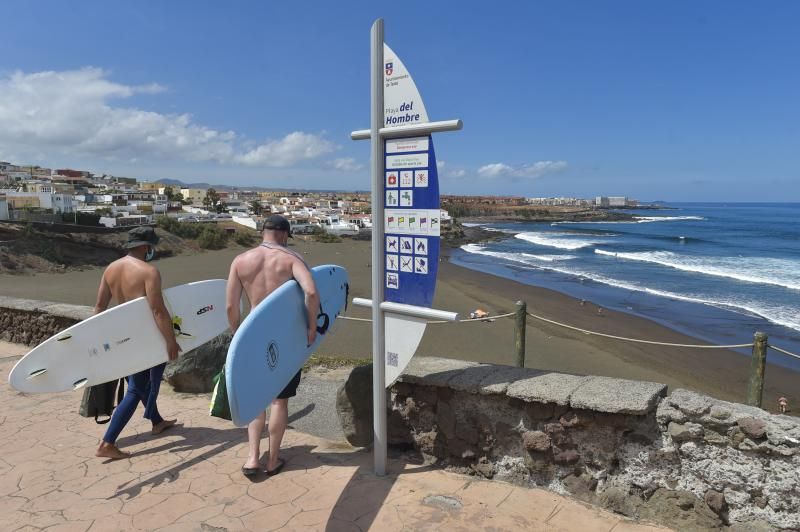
[193, 438]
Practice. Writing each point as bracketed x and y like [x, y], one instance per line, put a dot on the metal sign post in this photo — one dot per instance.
[413, 194]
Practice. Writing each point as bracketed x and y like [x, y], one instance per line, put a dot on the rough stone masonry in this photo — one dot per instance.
[686, 460]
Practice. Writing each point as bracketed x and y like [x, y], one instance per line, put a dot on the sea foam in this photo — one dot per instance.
[776, 313]
[557, 240]
[764, 270]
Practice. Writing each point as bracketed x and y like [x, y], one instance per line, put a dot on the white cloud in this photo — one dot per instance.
[77, 112]
[534, 170]
[345, 164]
[289, 150]
[448, 171]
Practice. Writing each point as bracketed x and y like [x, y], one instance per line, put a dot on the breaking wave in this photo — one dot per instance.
[777, 272]
[557, 240]
[779, 314]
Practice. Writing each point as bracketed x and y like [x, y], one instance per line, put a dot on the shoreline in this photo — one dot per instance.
[720, 373]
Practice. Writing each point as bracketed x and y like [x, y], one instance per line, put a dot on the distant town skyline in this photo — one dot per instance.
[675, 102]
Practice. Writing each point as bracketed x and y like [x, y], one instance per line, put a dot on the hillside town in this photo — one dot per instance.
[35, 193]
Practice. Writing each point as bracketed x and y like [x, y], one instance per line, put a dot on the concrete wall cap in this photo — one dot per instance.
[618, 396]
[27, 305]
[434, 371]
[63, 310]
[76, 312]
[489, 379]
[546, 388]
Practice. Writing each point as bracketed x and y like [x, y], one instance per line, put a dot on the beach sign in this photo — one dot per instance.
[406, 223]
[412, 194]
[411, 217]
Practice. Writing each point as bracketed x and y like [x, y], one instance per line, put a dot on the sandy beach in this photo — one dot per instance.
[720, 373]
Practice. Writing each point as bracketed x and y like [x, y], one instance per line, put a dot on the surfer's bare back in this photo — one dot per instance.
[258, 272]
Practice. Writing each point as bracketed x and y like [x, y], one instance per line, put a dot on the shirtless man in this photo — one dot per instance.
[125, 279]
[259, 272]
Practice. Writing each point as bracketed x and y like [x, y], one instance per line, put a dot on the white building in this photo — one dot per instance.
[617, 201]
[194, 195]
[59, 203]
[3, 207]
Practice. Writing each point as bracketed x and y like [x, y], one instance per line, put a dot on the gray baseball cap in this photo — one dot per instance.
[141, 236]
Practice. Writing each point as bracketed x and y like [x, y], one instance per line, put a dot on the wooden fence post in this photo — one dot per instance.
[755, 387]
[519, 332]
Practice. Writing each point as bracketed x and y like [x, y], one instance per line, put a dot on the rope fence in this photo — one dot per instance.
[638, 340]
[759, 345]
[436, 322]
[592, 333]
[784, 351]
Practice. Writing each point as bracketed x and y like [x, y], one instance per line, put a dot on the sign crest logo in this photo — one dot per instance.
[389, 68]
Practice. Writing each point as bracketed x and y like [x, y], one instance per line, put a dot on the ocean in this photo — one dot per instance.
[715, 271]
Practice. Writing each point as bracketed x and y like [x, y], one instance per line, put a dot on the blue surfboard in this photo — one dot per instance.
[269, 347]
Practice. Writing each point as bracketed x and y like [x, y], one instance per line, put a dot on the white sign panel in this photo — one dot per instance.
[409, 160]
[403, 335]
[409, 144]
[402, 102]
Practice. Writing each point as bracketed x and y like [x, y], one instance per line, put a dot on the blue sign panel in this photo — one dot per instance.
[411, 221]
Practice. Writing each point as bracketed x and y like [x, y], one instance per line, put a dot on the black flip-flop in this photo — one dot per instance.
[281, 463]
[250, 471]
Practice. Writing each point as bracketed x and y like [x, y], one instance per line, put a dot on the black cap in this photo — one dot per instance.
[276, 222]
[141, 236]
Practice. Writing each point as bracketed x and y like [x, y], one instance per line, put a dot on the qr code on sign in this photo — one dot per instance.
[391, 359]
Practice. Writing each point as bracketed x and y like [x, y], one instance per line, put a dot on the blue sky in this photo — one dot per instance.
[655, 100]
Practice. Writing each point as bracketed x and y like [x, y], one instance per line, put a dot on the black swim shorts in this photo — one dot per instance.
[291, 388]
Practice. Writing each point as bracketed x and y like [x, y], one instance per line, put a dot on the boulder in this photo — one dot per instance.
[354, 406]
[685, 431]
[754, 428]
[194, 372]
[716, 501]
[536, 441]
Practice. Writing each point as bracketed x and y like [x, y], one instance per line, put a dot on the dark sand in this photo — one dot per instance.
[720, 373]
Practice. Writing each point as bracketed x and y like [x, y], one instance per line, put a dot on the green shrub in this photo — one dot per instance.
[244, 238]
[327, 238]
[183, 230]
[212, 237]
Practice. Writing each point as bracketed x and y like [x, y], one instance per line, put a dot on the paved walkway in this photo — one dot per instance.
[189, 479]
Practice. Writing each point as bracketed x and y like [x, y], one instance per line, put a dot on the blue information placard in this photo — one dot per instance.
[412, 220]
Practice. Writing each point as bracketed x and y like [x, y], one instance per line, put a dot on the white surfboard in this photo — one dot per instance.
[122, 341]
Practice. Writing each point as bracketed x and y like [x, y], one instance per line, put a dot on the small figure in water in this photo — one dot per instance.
[782, 404]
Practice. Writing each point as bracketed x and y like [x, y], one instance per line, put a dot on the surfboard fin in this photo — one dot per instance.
[79, 384]
[66, 337]
[36, 373]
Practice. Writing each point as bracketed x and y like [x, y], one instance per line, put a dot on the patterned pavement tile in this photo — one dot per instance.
[189, 478]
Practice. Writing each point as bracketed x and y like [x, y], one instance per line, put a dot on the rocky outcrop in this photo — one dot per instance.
[686, 460]
[354, 407]
[194, 372]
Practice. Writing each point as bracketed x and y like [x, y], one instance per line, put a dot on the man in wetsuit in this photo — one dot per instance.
[259, 272]
[126, 279]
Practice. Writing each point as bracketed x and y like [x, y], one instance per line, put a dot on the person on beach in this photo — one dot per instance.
[259, 272]
[126, 279]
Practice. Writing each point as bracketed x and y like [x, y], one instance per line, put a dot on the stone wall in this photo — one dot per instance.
[685, 460]
[29, 322]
